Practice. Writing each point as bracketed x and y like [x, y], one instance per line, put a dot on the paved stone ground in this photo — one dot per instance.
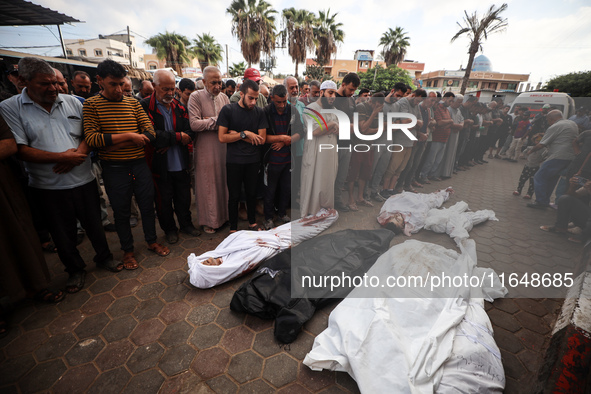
[149, 330]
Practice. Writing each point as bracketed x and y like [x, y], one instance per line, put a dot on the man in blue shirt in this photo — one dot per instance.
[48, 131]
[171, 159]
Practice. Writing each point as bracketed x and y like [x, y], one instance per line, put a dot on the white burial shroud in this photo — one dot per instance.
[419, 344]
[244, 250]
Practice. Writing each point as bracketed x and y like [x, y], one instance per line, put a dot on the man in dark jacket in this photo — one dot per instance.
[284, 129]
[170, 159]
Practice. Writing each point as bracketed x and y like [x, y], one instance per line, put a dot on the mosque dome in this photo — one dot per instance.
[482, 63]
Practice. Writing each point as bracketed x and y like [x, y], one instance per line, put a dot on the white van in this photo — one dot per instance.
[534, 101]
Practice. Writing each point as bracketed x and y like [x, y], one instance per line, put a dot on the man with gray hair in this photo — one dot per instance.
[211, 192]
[313, 93]
[171, 160]
[558, 139]
[48, 131]
[146, 90]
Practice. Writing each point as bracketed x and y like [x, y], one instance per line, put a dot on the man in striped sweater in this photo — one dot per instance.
[118, 126]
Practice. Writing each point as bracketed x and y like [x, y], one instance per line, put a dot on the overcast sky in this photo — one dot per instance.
[544, 38]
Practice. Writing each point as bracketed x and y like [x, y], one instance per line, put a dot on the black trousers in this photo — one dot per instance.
[173, 195]
[60, 210]
[527, 174]
[571, 208]
[236, 176]
[122, 180]
[278, 184]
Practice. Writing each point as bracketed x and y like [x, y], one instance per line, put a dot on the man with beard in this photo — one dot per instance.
[346, 104]
[243, 126]
[211, 192]
[440, 136]
[319, 168]
[230, 87]
[171, 161]
[313, 93]
[82, 84]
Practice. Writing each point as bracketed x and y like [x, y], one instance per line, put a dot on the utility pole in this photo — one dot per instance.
[227, 65]
[59, 29]
[129, 46]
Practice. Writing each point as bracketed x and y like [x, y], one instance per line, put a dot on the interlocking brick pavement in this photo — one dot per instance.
[149, 330]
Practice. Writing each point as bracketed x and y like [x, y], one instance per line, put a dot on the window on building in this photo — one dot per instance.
[82, 52]
[342, 74]
[363, 64]
[126, 56]
[69, 52]
[98, 52]
[473, 84]
[141, 59]
[152, 67]
[511, 86]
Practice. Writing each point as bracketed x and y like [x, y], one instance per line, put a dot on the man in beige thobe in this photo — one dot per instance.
[211, 193]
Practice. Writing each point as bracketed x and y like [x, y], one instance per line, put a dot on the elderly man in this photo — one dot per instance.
[211, 193]
[265, 91]
[171, 161]
[313, 93]
[48, 130]
[62, 85]
[118, 126]
[254, 75]
[82, 84]
[128, 88]
[146, 90]
[558, 139]
[243, 127]
[319, 168]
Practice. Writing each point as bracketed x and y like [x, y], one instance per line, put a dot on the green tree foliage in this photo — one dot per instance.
[328, 35]
[253, 24]
[208, 50]
[317, 72]
[394, 43]
[577, 84]
[383, 79]
[172, 47]
[298, 34]
[237, 69]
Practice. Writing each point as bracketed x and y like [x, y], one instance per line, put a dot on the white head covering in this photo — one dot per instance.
[328, 85]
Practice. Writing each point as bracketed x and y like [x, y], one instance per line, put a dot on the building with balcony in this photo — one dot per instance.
[113, 47]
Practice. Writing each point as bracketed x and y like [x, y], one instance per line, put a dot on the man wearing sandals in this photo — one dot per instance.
[48, 131]
[118, 126]
[243, 126]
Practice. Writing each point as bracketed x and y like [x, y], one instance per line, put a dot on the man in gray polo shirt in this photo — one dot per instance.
[559, 140]
[47, 127]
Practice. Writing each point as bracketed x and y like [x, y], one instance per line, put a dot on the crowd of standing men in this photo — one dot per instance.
[231, 144]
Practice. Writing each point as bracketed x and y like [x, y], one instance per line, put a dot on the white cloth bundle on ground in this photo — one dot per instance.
[420, 344]
[244, 250]
[456, 220]
[413, 207]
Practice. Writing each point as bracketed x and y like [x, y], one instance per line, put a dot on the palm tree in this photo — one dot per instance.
[172, 47]
[395, 43]
[207, 49]
[478, 30]
[253, 24]
[328, 34]
[299, 34]
[237, 69]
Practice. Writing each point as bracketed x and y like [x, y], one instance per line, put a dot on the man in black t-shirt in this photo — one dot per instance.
[243, 126]
[345, 103]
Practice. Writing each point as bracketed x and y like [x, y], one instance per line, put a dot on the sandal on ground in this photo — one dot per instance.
[129, 261]
[49, 247]
[576, 240]
[160, 250]
[353, 207]
[516, 193]
[552, 229]
[527, 197]
[416, 184]
[111, 265]
[208, 230]
[49, 296]
[365, 203]
[255, 227]
[75, 282]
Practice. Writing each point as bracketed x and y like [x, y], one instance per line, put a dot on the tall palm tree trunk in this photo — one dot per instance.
[296, 70]
[472, 52]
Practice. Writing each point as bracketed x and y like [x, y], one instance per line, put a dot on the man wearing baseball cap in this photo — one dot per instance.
[540, 124]
[254, 75]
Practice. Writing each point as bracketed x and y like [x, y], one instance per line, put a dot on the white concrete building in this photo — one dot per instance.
[113, 46]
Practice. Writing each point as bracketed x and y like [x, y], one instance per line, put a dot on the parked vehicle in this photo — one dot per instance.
[534, 101]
